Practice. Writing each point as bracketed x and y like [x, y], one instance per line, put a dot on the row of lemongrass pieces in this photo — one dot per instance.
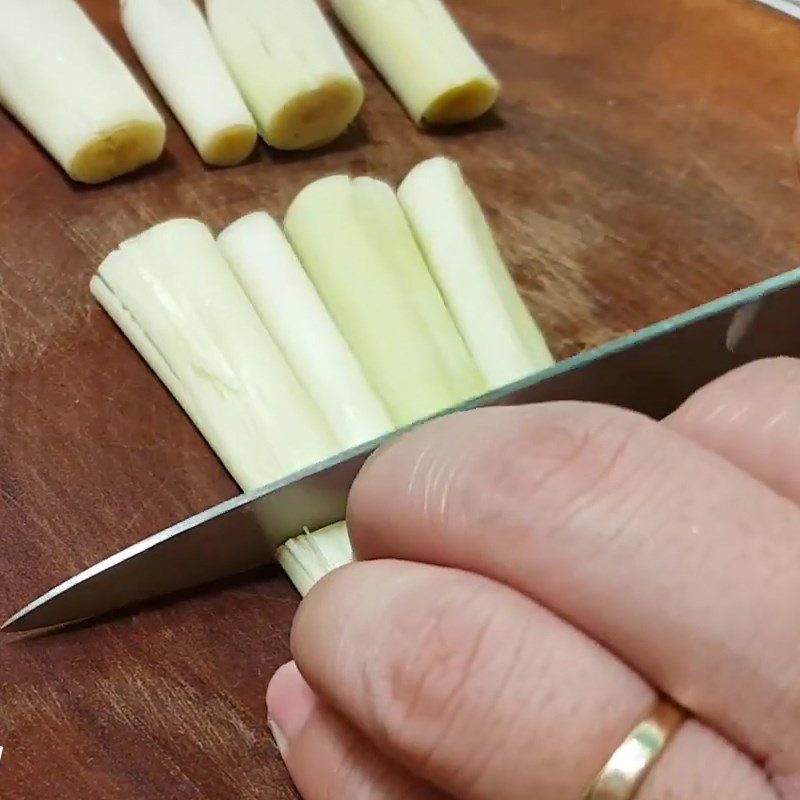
[368, 311]
[273, 67]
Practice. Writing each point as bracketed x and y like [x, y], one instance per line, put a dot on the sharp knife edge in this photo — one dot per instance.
[651, 371]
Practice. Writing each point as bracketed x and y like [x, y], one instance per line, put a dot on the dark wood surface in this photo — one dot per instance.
[639, 164]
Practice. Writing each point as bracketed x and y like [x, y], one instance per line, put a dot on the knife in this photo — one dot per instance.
[790, 7]
[652, 371]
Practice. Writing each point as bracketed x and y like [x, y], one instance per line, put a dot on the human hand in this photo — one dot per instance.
[530, 580]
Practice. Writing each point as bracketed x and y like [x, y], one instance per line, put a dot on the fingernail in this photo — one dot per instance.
[290, 703]
[278, 738]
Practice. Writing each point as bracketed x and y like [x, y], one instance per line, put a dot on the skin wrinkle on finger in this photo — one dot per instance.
[459, 661]
[464, 671]
[603, 527]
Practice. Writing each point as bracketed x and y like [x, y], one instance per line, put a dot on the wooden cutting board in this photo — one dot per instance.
[638, 164]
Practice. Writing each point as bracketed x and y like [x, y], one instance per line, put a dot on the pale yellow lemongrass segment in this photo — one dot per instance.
[290, 68]
[462, 254]
[65, 83]
[424, 56]
[287, 302]
[308, 558]
[354, 241]
[173, 294]
[173, 42]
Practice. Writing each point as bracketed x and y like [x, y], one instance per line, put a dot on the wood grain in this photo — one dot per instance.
[638, 164]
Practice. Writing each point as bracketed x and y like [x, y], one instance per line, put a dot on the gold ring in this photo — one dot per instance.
[625, 771]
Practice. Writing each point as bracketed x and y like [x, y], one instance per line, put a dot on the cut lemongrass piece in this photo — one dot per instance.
[290, 67]
[63, 81]
[463, 257]
[176, 299]
[173, 43]
[289, 306]
[424, 57]
[308, 558]
[358, 249]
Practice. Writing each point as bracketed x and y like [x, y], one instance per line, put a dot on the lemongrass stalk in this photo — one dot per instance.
[62, 80]
[173, 294]
[292, 311]
[173, 42]
[290, 68]
[424, 56]
[357, 247]
[453, 233]
[289, 306]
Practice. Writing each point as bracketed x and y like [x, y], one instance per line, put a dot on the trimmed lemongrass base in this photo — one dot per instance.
[289, 67]
[63, 81]
[314, 118]
[116, 152]
[174, 45]
[470, 100]
[424, 57]
[230, 146]
[308, 558]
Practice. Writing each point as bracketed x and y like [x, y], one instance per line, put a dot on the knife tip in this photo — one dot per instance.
[10, 625]
[14, 623]
[22, 620]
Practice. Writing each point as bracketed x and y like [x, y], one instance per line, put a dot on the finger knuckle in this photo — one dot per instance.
[421, 698]
[553, 461]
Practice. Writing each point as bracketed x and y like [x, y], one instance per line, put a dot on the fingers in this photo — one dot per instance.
[484, 694]
[751, 417]
[326, 758]
[699, 764]
[676, 560]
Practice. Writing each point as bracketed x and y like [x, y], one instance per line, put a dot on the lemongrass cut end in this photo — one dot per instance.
[118, 151]
[463, 103]
[308, 558]
[230, 146]
[315, 117]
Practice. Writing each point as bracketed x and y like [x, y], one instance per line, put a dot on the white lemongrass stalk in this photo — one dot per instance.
[63, 81]
[292, 311]
[173, 294]
[424, 57]
[290, 67]
[356, 245]
[173, 42]
[458, 244]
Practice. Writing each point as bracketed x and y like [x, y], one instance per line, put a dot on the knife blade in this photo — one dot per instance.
[790, 7]
[652, 371]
